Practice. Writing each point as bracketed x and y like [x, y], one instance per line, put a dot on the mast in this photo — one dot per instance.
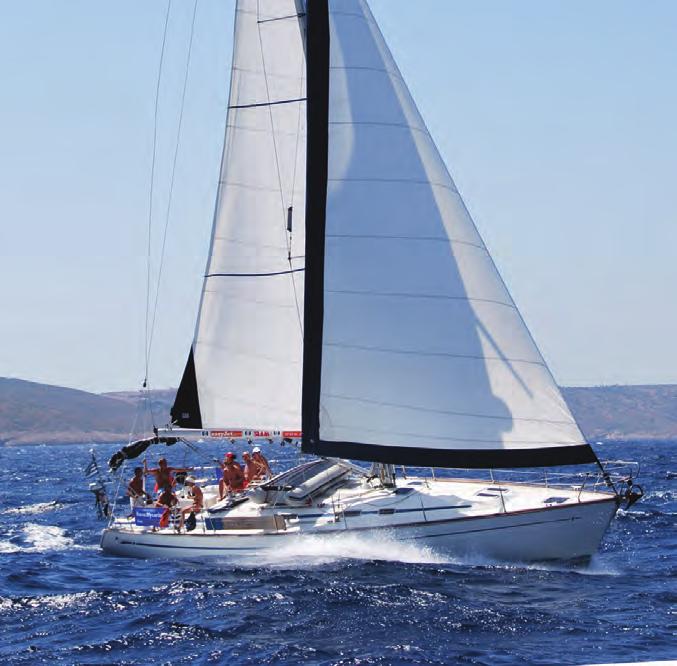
[317, 105]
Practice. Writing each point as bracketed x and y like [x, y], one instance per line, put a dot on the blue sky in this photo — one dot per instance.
[556, 119]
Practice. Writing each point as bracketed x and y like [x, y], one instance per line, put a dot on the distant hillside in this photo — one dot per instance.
[625, 412]
[32, 413]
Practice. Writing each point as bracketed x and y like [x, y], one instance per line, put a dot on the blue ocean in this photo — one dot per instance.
[354, 601]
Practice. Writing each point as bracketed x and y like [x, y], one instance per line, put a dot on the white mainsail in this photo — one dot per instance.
[421, 354]
[246, 360]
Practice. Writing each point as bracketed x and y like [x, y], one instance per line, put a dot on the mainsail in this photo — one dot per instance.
[244, 366]
[415, 353]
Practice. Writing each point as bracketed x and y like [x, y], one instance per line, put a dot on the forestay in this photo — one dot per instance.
[415, 352]
[244, 368]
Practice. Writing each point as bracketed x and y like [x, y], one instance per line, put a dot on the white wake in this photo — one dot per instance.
[320, 550]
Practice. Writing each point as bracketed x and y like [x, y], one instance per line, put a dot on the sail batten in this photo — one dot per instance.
[415, 351]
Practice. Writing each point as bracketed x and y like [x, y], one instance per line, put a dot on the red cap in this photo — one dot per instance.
[230, 454]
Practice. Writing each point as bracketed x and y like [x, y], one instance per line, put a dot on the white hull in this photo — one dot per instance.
[450, 524]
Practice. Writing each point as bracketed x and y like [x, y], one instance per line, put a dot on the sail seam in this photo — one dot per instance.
[272, 273]
[240, 352]
[445, 438]
[258, 188]
[437, 239]
[281, 18]
[419, 352]
[271, 75]
[335, 12]
[412, 181]
[274, 103]
[431, 410]
[387, 294]
[258, 245]
[389, 72]
[379, 123]
[250, 301]
[244, 128]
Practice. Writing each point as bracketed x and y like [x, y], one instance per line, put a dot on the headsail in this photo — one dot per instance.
[415, 352]
[244, 367]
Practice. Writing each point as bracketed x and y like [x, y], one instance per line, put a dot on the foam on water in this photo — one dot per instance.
[39, 507]
[9, 547]
[40, 539]
[46, 537]
[50, 601]
[319, 550]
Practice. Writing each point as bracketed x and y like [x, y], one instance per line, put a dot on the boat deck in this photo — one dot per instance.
[355, 505]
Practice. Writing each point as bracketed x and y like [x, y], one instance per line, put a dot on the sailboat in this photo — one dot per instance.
[349, 303]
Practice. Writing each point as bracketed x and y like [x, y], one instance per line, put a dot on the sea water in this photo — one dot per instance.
[349, 600]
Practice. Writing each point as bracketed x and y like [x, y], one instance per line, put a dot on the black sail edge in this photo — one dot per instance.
[548, 456]
[185, 411]
[317, 106]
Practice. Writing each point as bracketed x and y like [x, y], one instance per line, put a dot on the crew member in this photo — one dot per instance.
[137, 495]
[233, 476]
[164, 474]
[261, 463]
[168, 500]
[195, 492]
[251, 469]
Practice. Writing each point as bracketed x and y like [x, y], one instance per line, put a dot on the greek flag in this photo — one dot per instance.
[91, 469]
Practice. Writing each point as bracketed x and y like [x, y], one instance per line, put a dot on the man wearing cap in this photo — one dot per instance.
[263, 468]
[195, 492]
[233, 476]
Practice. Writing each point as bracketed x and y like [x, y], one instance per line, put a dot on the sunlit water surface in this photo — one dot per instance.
[332, 601]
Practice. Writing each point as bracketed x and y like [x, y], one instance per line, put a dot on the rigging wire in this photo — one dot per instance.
[150, 197]
[171, 181]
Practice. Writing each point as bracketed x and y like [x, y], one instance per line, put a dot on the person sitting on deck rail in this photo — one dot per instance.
[198, 501]
[168, 500]
[233, 476]
[137, 495]
[262, 464]
[163, 473]
[251, 469]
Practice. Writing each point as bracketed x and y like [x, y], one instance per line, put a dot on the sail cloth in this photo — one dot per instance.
[415, 353]
[244, 367]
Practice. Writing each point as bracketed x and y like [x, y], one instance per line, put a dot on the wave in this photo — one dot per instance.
[50, 601]
[40, 539]
[39, 507]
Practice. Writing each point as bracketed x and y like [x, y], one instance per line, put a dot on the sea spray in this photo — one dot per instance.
[319, 550]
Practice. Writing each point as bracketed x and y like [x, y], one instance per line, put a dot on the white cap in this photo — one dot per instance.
[256, 449]
[189, 479]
